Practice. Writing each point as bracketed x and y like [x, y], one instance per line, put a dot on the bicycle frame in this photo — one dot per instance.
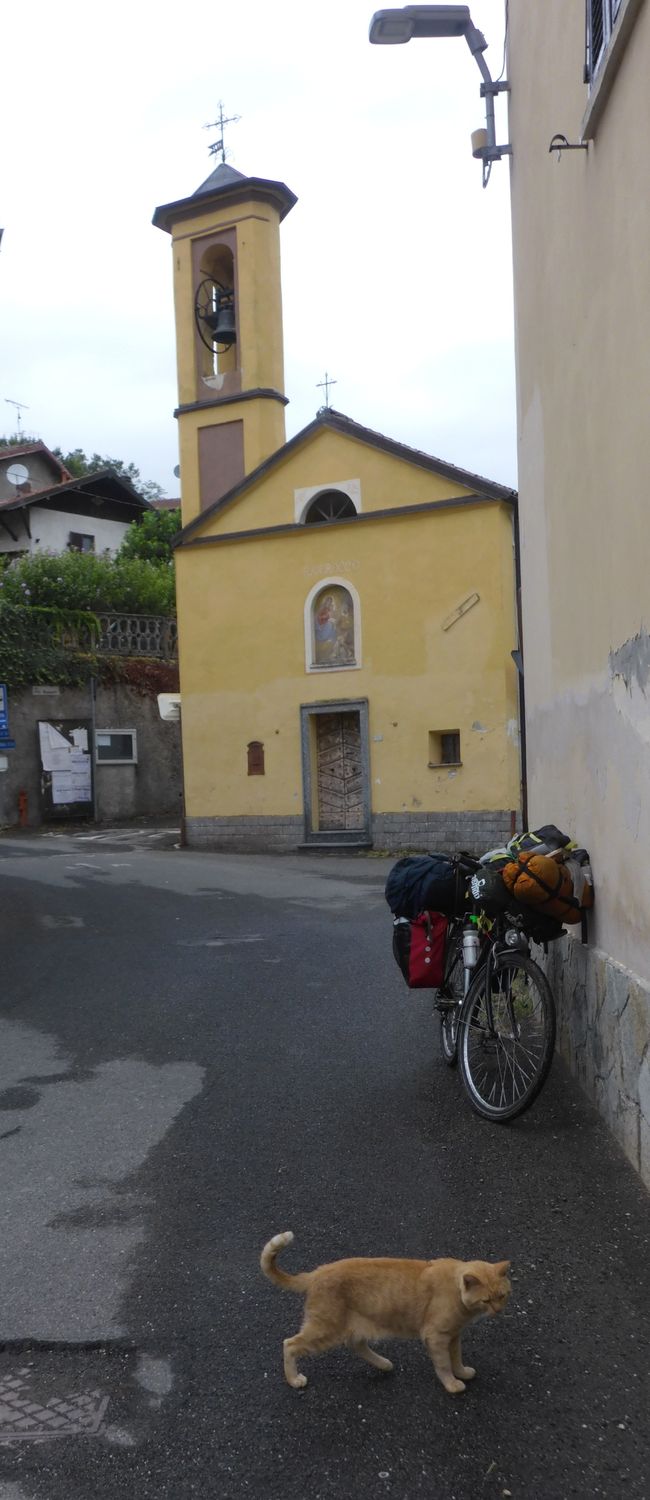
[493, 932]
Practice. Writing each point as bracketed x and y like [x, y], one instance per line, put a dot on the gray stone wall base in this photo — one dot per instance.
[604, 1035]
[245, 835]
[445, 833]
[394, 832]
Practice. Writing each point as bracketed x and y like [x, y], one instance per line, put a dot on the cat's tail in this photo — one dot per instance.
[298, 1283]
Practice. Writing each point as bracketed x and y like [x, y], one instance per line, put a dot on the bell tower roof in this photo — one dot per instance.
[223, 176]
[223, 188]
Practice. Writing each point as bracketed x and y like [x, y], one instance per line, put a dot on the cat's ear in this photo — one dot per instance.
[469, 1280]
[503, 1266]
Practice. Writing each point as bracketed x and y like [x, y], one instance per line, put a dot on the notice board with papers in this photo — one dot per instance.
[65, 747]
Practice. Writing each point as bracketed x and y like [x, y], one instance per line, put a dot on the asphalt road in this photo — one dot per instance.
[198, 1051]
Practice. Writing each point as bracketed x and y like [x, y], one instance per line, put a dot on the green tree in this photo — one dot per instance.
[80, 464]
[152, 537]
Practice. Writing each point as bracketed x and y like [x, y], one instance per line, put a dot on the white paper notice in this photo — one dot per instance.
[69, 786]
[54, 749]
[61, 787]
[56, 760]
[79, 738]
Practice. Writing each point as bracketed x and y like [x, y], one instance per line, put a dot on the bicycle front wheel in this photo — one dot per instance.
[450, 998]
[506, 1046]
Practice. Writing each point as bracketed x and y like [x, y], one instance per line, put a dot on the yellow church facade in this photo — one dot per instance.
[346, 604]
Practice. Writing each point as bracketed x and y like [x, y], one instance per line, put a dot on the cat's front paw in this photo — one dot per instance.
[455, 1387]
[466, 1372]
[298, 1382]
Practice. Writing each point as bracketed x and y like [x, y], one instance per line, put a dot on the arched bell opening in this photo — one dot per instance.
[215, 314]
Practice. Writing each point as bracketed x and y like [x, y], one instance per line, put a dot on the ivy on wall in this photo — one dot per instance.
[59, 647]
[46, 646]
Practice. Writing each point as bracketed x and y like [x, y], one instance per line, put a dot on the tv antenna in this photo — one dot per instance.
[219, 145]
[20, 406]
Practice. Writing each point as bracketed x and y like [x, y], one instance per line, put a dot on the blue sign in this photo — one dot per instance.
[7, 745]
[4, 710]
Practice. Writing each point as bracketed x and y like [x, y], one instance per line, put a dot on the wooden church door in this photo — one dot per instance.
[336, 773]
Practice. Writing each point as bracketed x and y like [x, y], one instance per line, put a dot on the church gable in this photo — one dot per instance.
[334, 471]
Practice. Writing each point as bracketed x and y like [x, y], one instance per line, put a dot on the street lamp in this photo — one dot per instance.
[391, 27]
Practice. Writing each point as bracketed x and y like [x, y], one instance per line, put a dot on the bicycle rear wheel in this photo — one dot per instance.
[504, 1065]
[450, 996]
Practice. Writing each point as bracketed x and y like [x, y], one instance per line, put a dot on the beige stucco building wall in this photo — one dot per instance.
[581, 231]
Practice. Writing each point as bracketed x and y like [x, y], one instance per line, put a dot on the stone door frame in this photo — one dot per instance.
[308, 711]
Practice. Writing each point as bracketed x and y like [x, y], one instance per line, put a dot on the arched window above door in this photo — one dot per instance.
[333, 500]
[329, 505]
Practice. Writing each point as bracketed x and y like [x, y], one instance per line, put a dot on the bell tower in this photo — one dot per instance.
[228, 305]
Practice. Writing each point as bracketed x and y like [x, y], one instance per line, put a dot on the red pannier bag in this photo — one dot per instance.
[419, 949]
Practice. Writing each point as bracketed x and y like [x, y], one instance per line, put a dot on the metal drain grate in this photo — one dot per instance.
[27, 1412]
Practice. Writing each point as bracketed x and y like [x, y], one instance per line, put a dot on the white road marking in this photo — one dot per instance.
[48, 921]
[219, 942]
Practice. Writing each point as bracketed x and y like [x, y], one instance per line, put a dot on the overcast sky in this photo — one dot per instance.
[396, 264]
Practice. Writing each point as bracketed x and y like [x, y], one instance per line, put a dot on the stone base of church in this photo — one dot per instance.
[392, 832]
[445, 833]
[245, 835]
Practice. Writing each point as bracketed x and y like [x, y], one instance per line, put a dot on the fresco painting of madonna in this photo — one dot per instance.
[333, 616]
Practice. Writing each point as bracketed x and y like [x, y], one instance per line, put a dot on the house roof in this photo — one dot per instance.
[225, 186]
[22, 450]
[104, 484]
[482, 489]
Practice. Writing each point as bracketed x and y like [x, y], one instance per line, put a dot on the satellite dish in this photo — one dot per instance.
[18, 474]
[177, 471]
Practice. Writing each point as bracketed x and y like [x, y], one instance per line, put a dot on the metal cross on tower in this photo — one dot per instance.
[327, 382]
[219, 125]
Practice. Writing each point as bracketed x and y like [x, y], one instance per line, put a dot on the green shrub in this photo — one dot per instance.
[83, 581]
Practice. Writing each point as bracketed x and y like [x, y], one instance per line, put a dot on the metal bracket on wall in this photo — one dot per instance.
[560, 143]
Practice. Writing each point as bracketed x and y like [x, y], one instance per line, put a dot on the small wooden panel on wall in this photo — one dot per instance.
[221, 459]
[255, 752]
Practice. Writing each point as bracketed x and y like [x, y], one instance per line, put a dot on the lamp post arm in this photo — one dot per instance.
[477, 46]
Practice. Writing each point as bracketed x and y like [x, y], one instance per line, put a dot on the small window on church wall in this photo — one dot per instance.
[333, 628]
[255, 752]
[330, 505]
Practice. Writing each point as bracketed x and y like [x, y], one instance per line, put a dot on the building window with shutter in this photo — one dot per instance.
[601, 20]
[444, 748]
[81, 541]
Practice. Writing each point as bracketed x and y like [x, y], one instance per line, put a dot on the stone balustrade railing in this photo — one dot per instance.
[138, 635]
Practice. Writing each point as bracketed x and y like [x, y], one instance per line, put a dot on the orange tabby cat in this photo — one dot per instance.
[351, 1301]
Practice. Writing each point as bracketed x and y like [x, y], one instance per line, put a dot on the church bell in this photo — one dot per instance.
[222, 320]
[214, 311]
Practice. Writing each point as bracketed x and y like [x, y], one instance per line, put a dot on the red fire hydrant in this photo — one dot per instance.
[22, 808]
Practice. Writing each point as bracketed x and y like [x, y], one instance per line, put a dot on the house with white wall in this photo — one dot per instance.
[43, 508]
